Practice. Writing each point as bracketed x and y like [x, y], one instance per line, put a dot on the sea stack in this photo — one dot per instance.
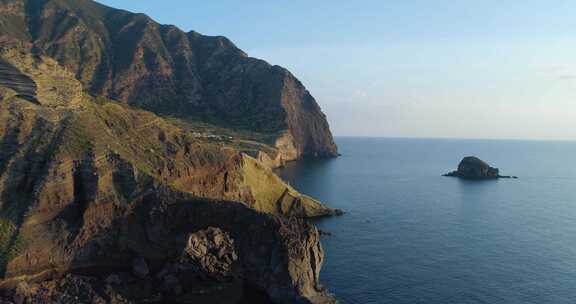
[472, 167]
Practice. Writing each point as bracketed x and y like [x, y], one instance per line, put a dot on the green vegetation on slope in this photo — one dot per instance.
[67, 156]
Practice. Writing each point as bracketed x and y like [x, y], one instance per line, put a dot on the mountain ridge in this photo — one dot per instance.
[131, 58]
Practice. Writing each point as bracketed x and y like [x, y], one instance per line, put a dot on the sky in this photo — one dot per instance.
[409, 68]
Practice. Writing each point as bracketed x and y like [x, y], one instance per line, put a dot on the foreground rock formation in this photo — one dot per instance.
[472, 167]
[99, 200]
[186, 249]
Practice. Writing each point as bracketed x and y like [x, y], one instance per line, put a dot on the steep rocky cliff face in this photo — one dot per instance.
[86, 182]
[130, 58]
[279, 256]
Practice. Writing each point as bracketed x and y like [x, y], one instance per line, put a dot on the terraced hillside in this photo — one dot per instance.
[22, 85]
[84, 179]
[130, 58]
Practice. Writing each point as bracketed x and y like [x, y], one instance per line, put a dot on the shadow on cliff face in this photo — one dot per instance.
[20, 189]
[277, 258]
[85, 185]
[8, 146]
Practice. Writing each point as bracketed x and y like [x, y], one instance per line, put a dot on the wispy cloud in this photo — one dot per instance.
[568, 77]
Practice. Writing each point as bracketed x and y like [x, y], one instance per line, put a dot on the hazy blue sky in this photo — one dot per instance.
[468, 69]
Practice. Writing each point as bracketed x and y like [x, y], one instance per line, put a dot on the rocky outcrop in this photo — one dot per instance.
[211, 251]
[130, 58]
[472, 167]
[280, 256]
[90, 184]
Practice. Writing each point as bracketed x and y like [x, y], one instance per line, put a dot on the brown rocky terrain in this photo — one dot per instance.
[130, 58]
[92, 189]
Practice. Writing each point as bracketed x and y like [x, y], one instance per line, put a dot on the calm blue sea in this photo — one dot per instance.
[413, 236]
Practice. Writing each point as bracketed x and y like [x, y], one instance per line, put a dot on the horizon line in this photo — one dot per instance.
[454, 138]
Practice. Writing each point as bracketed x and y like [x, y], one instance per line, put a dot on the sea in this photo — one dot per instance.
[410, 235]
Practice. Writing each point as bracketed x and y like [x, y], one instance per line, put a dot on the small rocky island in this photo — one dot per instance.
[472, 167]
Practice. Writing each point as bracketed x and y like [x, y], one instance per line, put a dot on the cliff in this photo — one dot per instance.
[130, 58]
[89, 183]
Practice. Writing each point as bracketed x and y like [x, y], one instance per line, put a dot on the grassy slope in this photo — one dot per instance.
[48, 150]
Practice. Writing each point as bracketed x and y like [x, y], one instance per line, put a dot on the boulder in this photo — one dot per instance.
[212, 251]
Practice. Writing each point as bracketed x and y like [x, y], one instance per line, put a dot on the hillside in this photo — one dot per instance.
[130, 58]
[88, 182]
